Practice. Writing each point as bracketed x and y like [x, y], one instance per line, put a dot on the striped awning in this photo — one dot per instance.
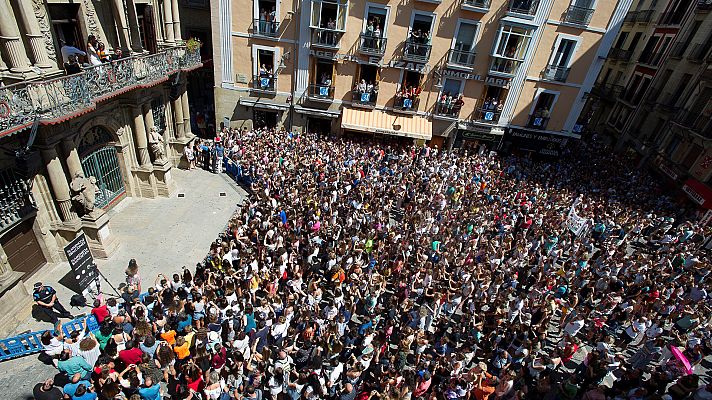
[375, 121]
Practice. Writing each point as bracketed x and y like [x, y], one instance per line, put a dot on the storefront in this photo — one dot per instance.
[533, 142]
[381, 123]
[475, 136]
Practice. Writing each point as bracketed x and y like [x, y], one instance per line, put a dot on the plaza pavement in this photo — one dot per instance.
[162, 234]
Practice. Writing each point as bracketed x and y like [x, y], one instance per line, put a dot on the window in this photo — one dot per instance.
[558, 68]
[647, 55]
[266, 17]
[580, 12]
[374, 31]
[672, 145]
[634, 42]
[366, 86]
[463, 44]
[450, 101]
[510, 49]
[408, 92]
[417, 47]
[632, 87]
[263, 65]
[542, 110]
[491, 105]
[322, 85]
[641, 90]
[329, 14]
[621, 40]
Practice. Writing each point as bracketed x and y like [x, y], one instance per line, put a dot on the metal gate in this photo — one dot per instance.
[103, 164]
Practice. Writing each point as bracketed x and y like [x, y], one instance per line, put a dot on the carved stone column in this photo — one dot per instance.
[176, 20]
[136, 44]
[121, 25]
[58, 181]
[178, 108]
[168, 21]
[186, 113]
[74, 165]
[12, 46]
[141, 139]
[33, 33]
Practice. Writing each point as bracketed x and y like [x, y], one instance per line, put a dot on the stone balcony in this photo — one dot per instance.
[56, 100]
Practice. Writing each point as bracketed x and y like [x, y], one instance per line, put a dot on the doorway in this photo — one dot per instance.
[24, 253]
[264, 119]
[322, 126]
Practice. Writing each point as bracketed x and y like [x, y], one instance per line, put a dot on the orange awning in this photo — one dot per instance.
[374, 121]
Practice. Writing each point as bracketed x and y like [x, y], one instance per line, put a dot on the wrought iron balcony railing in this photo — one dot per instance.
[461, 57]
[364, 99]
[578, 15]
[644, 16]
[416, 50]
[262, 27]
[704, 5]
[527, 7]
[406, 104]
[478, 4]
[555, 73]
[321, 92]
[607, 92]
[488, 114]
[71, 95]
[15, 199]
[323, 37]
[445, 109]
[265, 83]
[694, 121]
[630, 17]
[372, 45]
[619, 54]
[504, 65]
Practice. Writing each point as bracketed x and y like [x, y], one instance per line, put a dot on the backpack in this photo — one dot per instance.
[78, 301]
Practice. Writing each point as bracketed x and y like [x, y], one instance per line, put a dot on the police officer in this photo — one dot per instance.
[46, 299]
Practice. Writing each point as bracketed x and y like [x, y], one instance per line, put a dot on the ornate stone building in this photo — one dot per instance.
[124, 122]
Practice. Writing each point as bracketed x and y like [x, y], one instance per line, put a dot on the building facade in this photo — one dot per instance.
[77, 139]
[456, 72]
[657, 105]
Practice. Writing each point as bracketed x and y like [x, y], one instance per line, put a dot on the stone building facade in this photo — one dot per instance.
[123, 124]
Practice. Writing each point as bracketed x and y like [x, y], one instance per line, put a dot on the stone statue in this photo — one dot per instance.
[155, 142]
[84, 191]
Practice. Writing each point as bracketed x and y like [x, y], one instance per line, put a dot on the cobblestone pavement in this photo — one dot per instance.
[161, 234]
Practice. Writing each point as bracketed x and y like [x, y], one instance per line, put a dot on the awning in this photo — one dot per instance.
[263, 105]
[698, 192]
[374, 121]
[316, 112]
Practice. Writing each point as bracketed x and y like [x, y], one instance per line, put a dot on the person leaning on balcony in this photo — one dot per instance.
[92, 46]
[72, 67]
[69, 50]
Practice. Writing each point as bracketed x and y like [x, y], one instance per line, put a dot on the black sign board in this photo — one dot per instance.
[81, 261]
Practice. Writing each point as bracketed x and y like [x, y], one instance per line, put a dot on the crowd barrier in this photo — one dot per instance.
[30, 343]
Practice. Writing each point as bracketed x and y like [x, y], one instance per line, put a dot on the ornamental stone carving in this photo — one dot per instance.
[45, 27]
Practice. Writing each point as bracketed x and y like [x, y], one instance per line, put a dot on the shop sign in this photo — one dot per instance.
[498, 81]
[669, 172]
[537, 136]
[549, 145]
[448, 73]
[410, 66]
[330, 55]
[702, 168]
[696, 197]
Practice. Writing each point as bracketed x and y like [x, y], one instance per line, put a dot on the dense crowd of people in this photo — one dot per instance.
[358, 270]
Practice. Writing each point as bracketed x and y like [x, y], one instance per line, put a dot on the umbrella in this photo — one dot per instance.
[682, 359]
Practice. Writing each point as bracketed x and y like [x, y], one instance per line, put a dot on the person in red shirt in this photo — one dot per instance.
[100, 310]
[132, 354]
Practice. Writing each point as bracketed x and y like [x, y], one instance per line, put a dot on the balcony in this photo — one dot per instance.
[487, 115]
[265, 28]
[538, 121]
[476, 5]
[504, 65]
[697, 54]
[578, 15]
[417, 51]
[619, 54]
[460, 58]
[15, 199]
[555, 73]
[630, 17]
[328, 38]
[264, 83]
[431, 1]
[321, 92]
[526, 7]
[371, 45]
[364, 99]
[65, 97]
[701, 124]
[406, 105]
[644, 16]
[447, 109]
[704, 5]
[607, 92]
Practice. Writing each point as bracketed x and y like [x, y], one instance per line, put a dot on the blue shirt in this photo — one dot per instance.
[150, 393]
[85, 396]
[183, 324]
[70, 388]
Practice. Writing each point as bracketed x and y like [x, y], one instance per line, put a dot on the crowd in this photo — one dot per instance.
[355, 270]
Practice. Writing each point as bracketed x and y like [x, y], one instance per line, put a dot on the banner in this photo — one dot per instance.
[577, 225]
[81, 261]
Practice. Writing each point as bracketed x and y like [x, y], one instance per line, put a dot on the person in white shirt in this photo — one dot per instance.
[68, 50]
[573, 327]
